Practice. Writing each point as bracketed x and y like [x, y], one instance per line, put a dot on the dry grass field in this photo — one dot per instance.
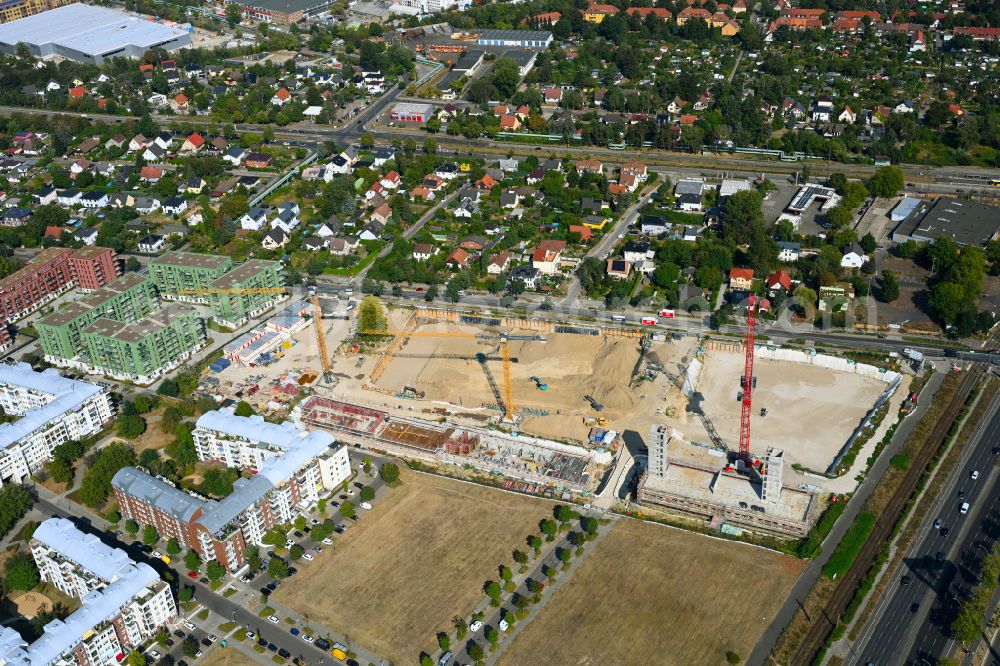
[653, 595]
[410, 565]
[227, 657]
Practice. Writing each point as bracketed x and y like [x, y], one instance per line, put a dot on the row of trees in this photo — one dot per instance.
[561, 521]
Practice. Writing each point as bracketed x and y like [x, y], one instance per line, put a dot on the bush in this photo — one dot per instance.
[849, 547]
[900, 461]
[733, 657]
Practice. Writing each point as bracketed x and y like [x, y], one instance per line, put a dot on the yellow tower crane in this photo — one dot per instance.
[324, 356]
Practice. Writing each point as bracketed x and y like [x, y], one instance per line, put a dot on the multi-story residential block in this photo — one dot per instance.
[294, 469]
[53, 410]
[12, 10]
[46, 276]
[177, 272]
[124, 603]
[246, 291]
[127, 299]
[94, 267]
[144, 350]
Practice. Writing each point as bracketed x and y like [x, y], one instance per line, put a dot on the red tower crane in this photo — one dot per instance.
[748, 382]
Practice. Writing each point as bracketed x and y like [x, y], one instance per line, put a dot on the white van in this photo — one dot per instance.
[964, 509]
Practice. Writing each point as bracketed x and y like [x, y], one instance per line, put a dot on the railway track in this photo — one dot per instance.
[842, 595]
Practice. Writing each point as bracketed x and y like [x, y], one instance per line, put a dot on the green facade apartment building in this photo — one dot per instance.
[145, 350]
[126, 299]
[232, 309]
[178, 271]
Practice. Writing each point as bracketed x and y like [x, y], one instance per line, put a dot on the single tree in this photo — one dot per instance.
[149, 535]
[277, 568]
[367, 494]
[214, 570]
[389, 473]
[347, 509]
[493, 591]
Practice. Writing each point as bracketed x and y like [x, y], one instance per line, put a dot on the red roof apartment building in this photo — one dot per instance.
[51, 272]
[46, 276]
[94, 267]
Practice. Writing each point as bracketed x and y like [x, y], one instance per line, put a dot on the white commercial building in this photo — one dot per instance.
[124, 603]
[52, 410]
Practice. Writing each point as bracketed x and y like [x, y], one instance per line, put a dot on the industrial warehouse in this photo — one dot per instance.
[89, 34]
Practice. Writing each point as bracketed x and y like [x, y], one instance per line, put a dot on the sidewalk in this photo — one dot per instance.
[493, 615]
[549, 590]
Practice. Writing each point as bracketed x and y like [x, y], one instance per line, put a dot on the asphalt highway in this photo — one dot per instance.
[911, 620]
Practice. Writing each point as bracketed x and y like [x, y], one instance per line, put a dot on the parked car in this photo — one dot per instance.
[308, 557]
[272, 619]
[189, 626]
[328, 541]
[476, 626]
[294, 631]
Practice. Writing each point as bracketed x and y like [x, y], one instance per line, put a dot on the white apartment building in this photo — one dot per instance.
[293, 468]
[123, 602]
[52, 409]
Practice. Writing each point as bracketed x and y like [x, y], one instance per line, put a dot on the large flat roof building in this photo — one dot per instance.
[246, 291]
[537, 39]
[967, 222]
[85, 33]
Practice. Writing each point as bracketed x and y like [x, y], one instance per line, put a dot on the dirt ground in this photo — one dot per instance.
[303, 356]
[571, 365]
[414, 562]
[800, 399]
[29, 604]
[654, 595]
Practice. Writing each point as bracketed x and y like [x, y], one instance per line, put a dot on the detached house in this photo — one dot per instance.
[281, 97]
[423, 251]
[547, 255]
[193, 143]
[741, 279]
[499, 263]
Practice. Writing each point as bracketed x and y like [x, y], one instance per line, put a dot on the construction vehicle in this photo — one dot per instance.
[539, 384]
[595, 421]
[411, 391]
[598, 407]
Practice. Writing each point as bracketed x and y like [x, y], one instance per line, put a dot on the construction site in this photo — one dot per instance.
[544, 406]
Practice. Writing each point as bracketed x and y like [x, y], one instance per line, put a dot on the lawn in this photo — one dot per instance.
[419, 558]
[654, 595]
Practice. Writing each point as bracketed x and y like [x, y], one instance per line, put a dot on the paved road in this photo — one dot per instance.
[812, 573]
[910, 622]
[602, 249]
[780, 331]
